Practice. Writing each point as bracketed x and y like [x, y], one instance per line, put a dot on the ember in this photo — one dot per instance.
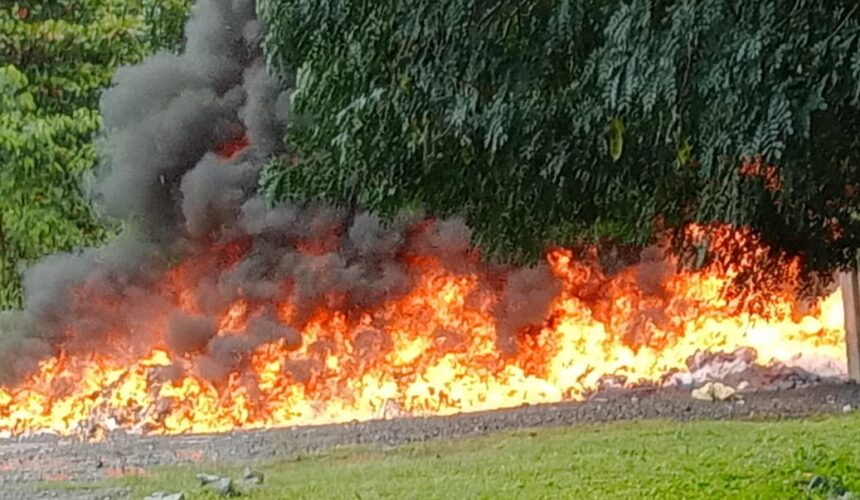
[229, 149]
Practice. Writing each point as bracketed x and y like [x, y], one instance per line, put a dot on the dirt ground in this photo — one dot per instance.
[25, 462]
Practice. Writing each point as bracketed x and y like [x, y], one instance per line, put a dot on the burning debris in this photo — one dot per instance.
[742, 369]
[214, 310]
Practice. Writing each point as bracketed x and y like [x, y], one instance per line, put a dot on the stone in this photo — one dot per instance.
[223, 487]
[713, 391]
[163, 495]
[219, 484]
[723, 392]
[833, 488]
[207, 478]
[847, 408]
[817, 482]
[252, 477]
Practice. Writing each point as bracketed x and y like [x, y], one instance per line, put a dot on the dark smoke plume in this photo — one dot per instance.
[180, 202]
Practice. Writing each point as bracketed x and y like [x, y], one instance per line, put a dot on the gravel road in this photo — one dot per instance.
[26, 462]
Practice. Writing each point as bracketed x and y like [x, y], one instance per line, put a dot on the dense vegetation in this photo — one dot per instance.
[561, 120]
[55, 57]
[538, 121]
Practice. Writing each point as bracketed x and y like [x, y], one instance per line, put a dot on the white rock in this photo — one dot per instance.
[112, 424]
[162, 495]
[713, 391]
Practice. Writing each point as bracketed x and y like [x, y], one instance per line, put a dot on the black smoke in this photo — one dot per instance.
[178, 202]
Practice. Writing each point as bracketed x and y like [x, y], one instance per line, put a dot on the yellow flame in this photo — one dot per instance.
[441, 359]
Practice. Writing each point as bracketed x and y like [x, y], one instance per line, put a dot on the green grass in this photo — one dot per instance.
[654, 459]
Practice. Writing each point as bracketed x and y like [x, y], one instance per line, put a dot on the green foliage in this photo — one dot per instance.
[57, 56]
[556, 121]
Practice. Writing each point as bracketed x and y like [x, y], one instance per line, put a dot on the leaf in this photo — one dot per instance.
[616, 138]
[684, 152]
[522, 106]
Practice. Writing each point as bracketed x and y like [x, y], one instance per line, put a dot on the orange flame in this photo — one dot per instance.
[431, 352]
[769, 174]
[231, 148]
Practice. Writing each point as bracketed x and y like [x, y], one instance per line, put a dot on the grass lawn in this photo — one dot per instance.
[654, 459]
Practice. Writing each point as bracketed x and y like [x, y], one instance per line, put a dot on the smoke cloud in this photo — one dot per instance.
[197, 238]
[200, 246]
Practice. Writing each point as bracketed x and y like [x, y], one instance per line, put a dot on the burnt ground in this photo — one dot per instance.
[26, 462]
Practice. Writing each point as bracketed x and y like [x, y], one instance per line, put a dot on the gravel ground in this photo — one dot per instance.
[26, 462]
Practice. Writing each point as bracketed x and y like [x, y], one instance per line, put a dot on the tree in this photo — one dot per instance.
[570, 121]
[57, 56]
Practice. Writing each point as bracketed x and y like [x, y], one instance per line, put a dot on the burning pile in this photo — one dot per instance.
[214, 311]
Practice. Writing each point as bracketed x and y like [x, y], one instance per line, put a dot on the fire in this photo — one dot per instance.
[230, 149]
[217, 311]
[434, 350]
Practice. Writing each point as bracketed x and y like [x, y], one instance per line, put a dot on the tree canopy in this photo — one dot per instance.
[56, 58]
[561, 121]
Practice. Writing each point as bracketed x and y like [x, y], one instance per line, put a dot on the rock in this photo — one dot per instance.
[223, 487]
[162, 495]
[847, 408]
[219, 484]
[833, 488]
[252, 477]
[207, 478]
[713, 391]
[817, 482]
[723, 392]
